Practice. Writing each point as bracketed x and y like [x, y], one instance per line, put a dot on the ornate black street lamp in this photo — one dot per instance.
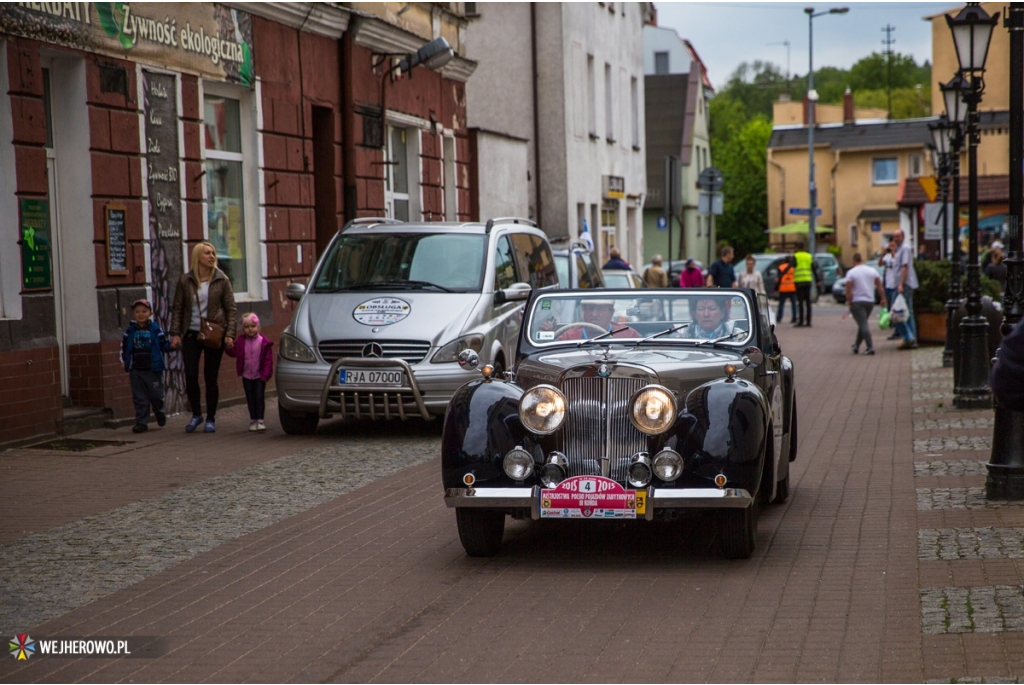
[941, 132]
[956, 113]
[1006, 465]
[972, 31]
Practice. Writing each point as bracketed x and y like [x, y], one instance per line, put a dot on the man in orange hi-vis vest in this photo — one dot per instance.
[787, 289]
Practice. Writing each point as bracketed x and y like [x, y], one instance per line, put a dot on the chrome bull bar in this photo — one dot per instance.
[399, 393]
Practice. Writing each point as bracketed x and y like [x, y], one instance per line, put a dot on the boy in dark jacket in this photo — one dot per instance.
[142, 353]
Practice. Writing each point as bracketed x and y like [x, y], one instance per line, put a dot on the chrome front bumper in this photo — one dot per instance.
[372, 395]
[657, 498]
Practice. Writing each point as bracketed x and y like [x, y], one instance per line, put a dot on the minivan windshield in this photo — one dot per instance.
[445, 262]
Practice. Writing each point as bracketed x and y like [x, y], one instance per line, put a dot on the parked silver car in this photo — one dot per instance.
[390, 306]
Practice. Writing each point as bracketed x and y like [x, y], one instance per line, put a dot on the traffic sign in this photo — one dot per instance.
[662, 223]
[711, 179]
[804, 211]
[709, 203]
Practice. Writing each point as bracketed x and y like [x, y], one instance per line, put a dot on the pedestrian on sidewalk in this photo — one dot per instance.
[787, 289]
[752, 278]
[862, 282]
[722, 274]
[889, 280]
[805, 273]
[202, 293]
[615, 261]
[254, 362]
[1007, 379]
[906, 284]
[654, 275]
[691, 277]
[142, 354]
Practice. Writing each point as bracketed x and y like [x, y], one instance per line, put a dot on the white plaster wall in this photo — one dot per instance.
[502, 182]
[10, 254]
[499, 96]
[615, 38]
[659, 39]
[74, 209]
[554, 100]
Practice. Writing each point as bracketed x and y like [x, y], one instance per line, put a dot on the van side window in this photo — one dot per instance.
[582, 274]
[596, 280]
[504, 265]
[535, 260]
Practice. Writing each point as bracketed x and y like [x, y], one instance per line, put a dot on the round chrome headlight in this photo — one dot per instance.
[638, 474]
[554, 471]
[653, 410]
[542, 409]
[668, 465]
[518, 464]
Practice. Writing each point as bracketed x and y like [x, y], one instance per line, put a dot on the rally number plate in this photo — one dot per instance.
[588, 497]
[374, 377]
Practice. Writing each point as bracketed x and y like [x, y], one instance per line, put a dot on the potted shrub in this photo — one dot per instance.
[930, 298]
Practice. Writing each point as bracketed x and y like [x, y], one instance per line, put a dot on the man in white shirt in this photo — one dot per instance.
[862, 282]
[906, 284]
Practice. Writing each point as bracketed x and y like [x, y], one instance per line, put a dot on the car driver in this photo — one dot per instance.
[598, 313]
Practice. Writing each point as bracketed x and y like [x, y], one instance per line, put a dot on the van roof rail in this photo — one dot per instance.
[360, 221]
[508, 220]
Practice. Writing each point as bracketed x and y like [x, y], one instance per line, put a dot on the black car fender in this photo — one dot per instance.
[723, 429]
[480, 427]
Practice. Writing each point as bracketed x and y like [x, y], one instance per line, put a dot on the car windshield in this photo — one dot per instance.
[700, 316]
[445, 262]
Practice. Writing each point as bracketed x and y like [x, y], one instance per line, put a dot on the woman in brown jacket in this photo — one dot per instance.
[203, 292]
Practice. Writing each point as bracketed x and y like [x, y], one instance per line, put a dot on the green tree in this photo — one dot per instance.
[742, 159]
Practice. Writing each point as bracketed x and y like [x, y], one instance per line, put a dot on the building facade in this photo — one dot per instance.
[129, 133]
[566, 78]
[677, 92]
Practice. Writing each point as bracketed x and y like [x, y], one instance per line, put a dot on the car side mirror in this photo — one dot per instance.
[753, 357]
[513, 293]
[295, 291]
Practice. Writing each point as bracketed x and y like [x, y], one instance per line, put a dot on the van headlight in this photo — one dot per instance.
[542, 409]
[653, 410]
[451, 351]
[295, 350]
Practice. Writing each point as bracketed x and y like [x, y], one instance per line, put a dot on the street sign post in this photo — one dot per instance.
[804, 211]
[710, 181]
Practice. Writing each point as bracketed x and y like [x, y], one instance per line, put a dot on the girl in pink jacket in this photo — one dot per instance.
[254, 360]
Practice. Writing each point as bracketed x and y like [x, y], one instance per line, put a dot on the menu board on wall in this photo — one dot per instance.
[114, 214]
[36, 273]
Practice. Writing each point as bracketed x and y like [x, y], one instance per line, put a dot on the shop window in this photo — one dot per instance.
[228, 188]
[609, 225]
[661, 63]
[884, 171]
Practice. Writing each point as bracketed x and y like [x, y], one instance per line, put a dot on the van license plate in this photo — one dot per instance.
[394, 379]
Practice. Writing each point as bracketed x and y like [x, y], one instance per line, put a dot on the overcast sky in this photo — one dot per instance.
[726, 34]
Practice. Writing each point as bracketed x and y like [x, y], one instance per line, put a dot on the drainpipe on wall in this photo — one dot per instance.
[536, 120]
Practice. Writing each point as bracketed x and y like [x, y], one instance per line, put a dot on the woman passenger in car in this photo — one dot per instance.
[710, 316]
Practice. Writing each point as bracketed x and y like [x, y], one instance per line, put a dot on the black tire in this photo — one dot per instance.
[499, 369]
[737, 530]
[296, 423]
[480, 531]
[793, 434]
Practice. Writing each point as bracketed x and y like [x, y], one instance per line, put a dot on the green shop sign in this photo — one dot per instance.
[35, 245]
[203, 38]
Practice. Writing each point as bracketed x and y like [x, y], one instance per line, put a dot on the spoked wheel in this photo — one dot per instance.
[480, 531]
[738, 529]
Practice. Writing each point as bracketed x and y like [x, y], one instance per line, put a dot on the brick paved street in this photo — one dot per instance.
[265, 558]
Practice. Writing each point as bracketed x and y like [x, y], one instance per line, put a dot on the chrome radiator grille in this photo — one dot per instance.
[411, 351]
[598, 414]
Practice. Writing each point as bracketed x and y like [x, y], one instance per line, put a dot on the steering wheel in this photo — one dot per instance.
[563, 329]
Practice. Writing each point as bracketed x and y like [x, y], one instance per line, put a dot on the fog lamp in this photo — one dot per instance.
[555, 470]
[518, 463]
[639, 472]
[668, 464]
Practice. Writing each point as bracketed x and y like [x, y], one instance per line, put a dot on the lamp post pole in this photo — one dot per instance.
[1005, 478]
[812, 99]
[955, 298]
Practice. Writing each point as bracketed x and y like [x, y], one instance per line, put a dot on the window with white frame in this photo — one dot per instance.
[885, 171]
[915, 166]
[401, 174]
[451, 192]
[230, 191]
[661, 64]
[609, 122]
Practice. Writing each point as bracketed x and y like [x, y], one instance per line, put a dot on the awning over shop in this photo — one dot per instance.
[885, 214]
[799, 227]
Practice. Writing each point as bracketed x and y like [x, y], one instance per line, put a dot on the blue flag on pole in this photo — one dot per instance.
[585, 236]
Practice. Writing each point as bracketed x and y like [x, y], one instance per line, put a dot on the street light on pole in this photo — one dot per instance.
[956, 114]
[812, 98]
[972, 31]
[942, 131]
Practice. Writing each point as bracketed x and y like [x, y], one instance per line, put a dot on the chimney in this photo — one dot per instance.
[848, 114]
[807, 110]
[653, 20]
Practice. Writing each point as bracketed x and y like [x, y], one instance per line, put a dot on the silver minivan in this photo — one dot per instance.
[378, 331]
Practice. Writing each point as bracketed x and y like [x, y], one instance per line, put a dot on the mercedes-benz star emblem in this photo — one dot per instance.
[373, 350]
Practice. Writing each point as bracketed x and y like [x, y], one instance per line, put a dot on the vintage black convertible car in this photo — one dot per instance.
[626, 405]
